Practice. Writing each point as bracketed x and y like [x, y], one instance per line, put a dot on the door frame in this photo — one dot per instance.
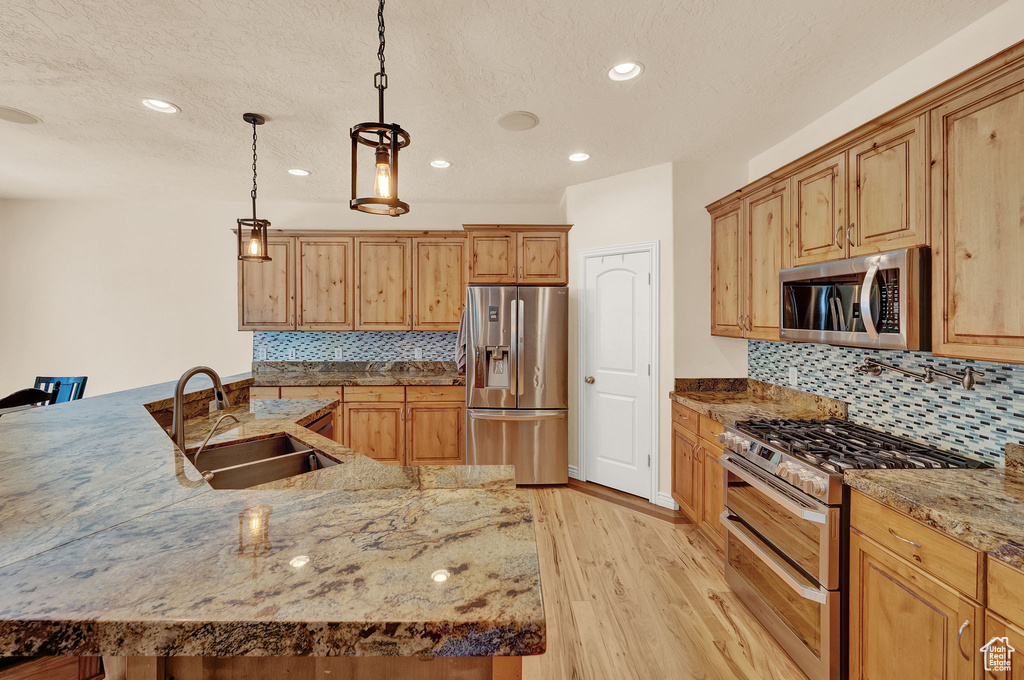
[653, 249]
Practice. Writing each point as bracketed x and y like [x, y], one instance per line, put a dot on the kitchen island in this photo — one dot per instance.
[112, 543]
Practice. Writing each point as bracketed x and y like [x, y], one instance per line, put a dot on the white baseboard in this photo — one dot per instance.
[665, 501]
[574, 472]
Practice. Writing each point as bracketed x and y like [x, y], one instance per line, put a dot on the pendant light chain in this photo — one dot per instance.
[380, 80]
[253, 192]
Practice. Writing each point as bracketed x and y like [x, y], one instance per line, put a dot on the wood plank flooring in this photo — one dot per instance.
[630, 596]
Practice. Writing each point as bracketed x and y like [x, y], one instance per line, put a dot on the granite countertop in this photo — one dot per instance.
[982, 508]
[112, 543]
[728, 400]
[305, 373]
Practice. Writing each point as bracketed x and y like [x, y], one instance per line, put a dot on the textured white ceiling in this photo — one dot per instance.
[720, 75]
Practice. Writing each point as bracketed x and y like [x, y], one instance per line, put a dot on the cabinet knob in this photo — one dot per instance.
[589, 380]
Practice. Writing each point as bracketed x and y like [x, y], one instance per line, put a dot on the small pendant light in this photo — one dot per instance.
[385, 139]
[252, 233]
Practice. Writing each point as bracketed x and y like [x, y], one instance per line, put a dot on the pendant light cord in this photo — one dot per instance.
[253, 192]
[380, 79]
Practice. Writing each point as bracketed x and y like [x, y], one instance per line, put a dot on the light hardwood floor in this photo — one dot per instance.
[632, 596]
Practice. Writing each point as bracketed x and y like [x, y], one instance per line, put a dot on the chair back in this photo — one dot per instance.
[28, 397]
[67, 389]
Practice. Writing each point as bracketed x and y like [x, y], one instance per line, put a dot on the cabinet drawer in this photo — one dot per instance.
[710, 429]
[311, 392]
[264, 392]
[455, 393]
[375, 393]
[685, 417]
[935, 553]
[1006, 592]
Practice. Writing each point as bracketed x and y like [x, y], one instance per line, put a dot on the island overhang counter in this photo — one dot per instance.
[112, 544]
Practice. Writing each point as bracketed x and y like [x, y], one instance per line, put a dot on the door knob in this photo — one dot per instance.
[589, 380]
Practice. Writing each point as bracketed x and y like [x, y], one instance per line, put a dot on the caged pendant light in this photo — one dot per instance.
[252, 233]
[386, 139]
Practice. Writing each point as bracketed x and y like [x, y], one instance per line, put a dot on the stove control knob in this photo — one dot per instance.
[814, 484]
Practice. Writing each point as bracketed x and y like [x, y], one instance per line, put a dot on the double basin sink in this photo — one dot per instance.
[248, 464]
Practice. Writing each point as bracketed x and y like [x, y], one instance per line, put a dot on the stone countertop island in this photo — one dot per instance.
[111, 543]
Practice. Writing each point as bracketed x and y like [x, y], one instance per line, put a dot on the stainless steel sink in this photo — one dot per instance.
[240, 466]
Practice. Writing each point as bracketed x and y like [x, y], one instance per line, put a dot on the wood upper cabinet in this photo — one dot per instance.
[905, 625]
[686, 477]
[376, 430]
[266, 290]
[439, 283]
[726, 279]
[435, 433]
[977, 184]
[527, 254]
[492, 256]
[765, 217]
[543, 257]
[819, 220]
[383, 284]
[887, 191]
[325, 283]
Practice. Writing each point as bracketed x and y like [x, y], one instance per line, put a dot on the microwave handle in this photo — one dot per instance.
[865, 301]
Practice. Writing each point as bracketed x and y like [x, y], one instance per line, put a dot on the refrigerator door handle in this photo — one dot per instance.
[513, 349]
[520, 341]
[543, 415]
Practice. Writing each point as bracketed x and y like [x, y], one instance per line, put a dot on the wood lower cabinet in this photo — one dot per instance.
[52, 668]
[727, 304]
[325, 283]
[266, 290]
[819, 202]
[376, 430]
[383, 284]
[887, 190]
[998, 627]
[906, 625]
[527, 254]
[712, 477]
[435, 433]
[686, 471]
[977, 183]
[438, 283]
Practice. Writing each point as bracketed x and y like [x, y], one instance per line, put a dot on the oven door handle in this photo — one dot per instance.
[819, 594]
[767, 490]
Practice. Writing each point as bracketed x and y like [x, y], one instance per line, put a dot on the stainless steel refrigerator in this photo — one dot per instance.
[517, 380]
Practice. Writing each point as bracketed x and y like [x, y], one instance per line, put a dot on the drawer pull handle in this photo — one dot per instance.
[437, 394]
[895, 535]
[960, 634]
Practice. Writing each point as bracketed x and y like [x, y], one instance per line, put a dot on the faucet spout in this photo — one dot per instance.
[178, 417]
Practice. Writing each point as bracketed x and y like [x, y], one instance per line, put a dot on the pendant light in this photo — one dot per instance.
[385, 139]
[252, 233]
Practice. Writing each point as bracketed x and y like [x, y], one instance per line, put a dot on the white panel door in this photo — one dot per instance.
[616, 437]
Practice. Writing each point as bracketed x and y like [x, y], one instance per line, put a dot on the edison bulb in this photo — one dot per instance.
[382, 181]
[254, 245]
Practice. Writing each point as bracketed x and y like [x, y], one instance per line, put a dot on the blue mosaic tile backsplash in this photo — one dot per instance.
[354, 345]
[976, 422]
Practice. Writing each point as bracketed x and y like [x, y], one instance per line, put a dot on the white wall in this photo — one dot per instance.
[134, 293]
[629, 208]
[989, 35]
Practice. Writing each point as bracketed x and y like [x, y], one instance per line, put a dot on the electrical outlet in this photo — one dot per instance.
[418, 353]
[794, 377]
[337, 354]
[291, 353]
[261, 354]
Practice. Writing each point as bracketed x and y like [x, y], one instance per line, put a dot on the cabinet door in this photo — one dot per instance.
[997, 627]
[439, 283]
[977, 185]
[726, 282]
[384, 281]
[492, 256]
[376, 431]
[686, 482]
[712, 494]
[887, 190]
[325, 284]
[435, 433]
[266, 290]
[765, 214]
[819, 222]
[904, 625]
[543, 257]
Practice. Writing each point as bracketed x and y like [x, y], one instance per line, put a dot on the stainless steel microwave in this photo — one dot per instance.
[881, 301]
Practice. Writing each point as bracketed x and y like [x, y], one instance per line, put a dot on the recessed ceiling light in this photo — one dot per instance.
[17, 116]
[299, 172]
[160, 105]
[626, 70]
[518, 121]
[440, 164]
[579, 157]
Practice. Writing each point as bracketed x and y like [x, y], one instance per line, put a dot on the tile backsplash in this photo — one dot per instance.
[977, 423]
[354, 345]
